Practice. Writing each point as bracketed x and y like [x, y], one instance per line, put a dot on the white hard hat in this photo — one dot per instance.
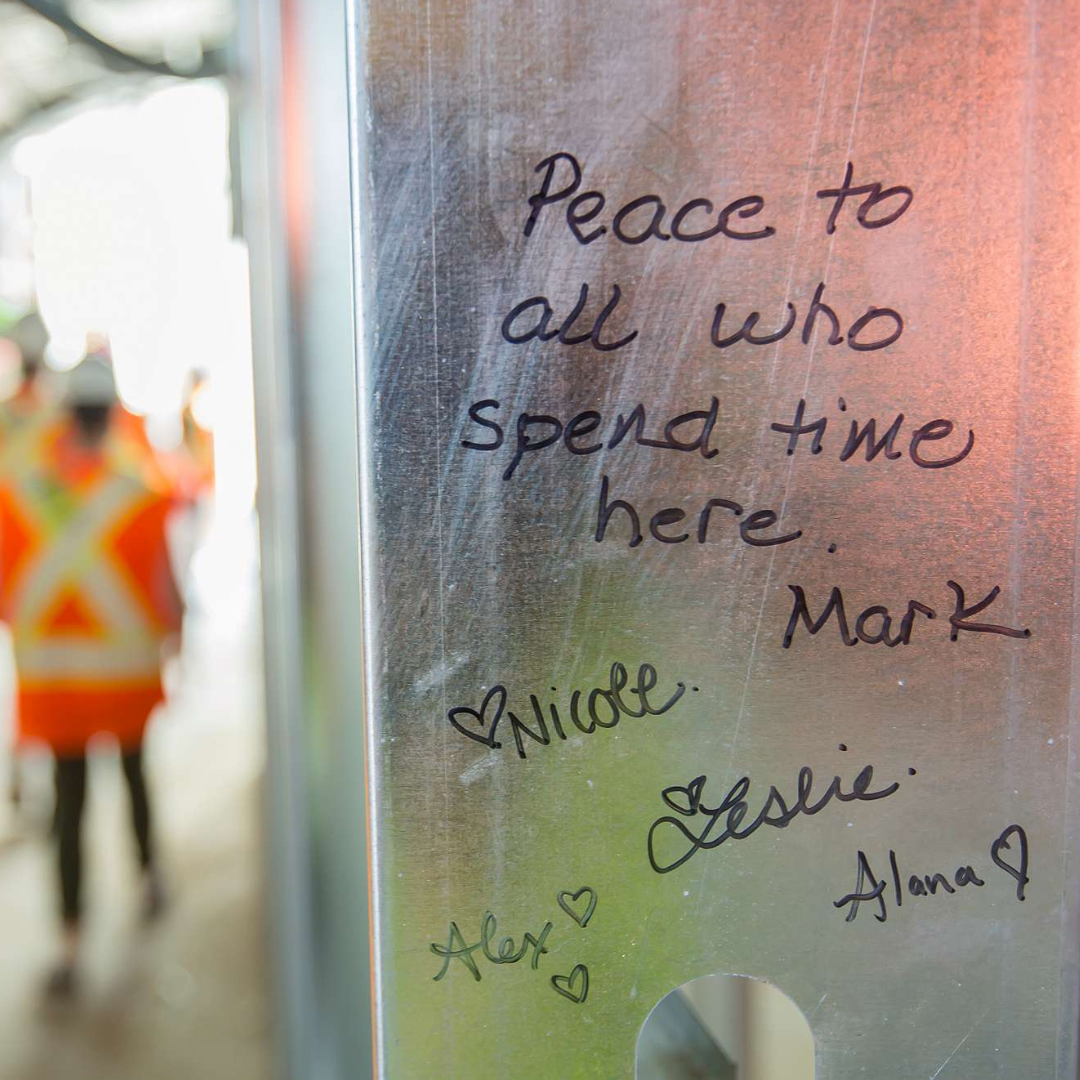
[91, 383]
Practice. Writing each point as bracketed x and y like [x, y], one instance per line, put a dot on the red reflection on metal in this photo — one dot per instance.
[295, 143]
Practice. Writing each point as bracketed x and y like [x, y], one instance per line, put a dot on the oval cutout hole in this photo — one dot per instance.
[725, 1027]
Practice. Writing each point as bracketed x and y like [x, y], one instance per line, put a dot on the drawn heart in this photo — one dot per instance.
[564, 984]
[692, 794]
[581, 920]
[1018, 873]
[480, 718]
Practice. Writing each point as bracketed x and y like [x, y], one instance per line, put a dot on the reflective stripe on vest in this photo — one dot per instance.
[77, 613]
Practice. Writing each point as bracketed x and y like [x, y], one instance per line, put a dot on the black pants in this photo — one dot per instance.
[70, 800]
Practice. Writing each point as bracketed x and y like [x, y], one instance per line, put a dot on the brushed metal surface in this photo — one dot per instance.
[473, 581]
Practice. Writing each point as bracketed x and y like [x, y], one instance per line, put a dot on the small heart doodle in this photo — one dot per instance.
[487, 737]
[692, 791]
[590, 907]
[1018, 873]
[565, 983]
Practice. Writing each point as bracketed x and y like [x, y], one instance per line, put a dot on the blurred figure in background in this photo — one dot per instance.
[189, 466]
[26, 410]
[87, 588]
[24, 417]
[193, 464]
[128, 443]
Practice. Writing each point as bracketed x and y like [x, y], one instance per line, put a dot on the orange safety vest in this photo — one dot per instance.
[86, 586]
[130, 449]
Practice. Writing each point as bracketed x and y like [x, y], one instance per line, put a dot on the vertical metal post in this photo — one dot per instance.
[526, 180]
[296, 196]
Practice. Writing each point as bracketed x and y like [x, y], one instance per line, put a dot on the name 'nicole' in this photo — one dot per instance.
[869, 888]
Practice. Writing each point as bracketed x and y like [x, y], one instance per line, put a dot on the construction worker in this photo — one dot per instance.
[128, 441]
[87, 588]
[24, 419]
[196, 473]
[27, 409]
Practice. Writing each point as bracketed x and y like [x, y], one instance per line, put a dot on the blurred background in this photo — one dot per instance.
[120, 227]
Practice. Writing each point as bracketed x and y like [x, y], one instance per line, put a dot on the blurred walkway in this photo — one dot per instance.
[185, 998]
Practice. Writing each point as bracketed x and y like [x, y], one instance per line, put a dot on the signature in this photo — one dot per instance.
[605, 706]
[870, 889]
[506, 952]
[579, 905]
[701, 831]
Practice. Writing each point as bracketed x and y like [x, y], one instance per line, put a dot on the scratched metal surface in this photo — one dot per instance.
[473, 581]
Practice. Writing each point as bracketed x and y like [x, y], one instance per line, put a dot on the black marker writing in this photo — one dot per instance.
[533, 432]
[876, 328]
[506, 952]
[531, 320]
[641, 219]
[688, 803]
[865, 437]
[612, 512]
[603, 707]
[875, 196]
[873, 626]
[879, 892]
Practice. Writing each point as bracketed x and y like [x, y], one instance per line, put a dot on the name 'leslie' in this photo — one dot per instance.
[702, 834]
